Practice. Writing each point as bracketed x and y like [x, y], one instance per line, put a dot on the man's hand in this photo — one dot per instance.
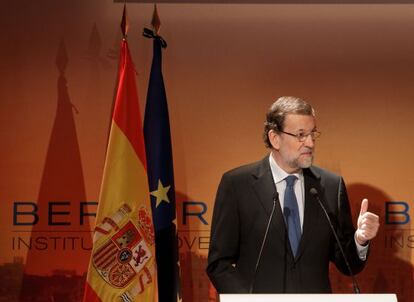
[368, 224]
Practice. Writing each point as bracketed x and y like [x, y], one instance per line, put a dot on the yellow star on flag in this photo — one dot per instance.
[161, 193]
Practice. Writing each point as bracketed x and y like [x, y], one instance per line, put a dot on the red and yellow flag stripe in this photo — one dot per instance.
[122, 265]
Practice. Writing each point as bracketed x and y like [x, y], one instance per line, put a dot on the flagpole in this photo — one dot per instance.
[161, 172]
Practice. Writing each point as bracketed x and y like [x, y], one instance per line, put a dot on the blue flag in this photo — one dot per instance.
[161, 178]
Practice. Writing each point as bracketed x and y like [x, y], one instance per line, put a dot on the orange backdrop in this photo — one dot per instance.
[224, 65]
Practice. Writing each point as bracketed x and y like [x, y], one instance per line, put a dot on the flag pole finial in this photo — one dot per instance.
[155, 32]
[156, 22]
[124, 22]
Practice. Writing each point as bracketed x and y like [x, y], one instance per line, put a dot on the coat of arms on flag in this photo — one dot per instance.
[124, 251]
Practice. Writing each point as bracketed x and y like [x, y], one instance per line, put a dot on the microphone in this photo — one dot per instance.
[275, 197]
[315, 194]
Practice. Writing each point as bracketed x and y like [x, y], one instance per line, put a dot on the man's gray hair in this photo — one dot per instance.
[275, 117]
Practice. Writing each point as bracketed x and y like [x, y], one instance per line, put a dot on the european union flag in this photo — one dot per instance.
[161, 177]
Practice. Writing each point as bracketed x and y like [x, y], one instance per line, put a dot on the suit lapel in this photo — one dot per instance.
[265, 189]
[312, 180]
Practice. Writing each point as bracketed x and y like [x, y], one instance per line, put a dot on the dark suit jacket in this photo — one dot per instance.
[242, 209]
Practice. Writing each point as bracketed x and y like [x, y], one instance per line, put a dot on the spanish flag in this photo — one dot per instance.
[122, 265]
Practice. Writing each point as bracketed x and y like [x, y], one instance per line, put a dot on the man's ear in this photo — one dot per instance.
[274, 139]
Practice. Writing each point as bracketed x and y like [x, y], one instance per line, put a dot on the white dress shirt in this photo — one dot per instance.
[279, 176]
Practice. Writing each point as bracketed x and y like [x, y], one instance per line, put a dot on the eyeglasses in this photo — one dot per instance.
[301, 136]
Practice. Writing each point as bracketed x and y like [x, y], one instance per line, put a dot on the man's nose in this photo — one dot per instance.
[309, 141]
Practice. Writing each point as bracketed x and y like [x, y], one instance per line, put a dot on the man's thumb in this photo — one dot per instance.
[364, 206]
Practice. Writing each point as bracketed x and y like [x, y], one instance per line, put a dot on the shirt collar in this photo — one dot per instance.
[278, 173]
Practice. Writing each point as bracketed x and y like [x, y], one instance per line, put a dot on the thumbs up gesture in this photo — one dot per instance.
[368, 224]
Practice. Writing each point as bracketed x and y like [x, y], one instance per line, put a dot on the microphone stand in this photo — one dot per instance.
[263, 243]
[314, 193]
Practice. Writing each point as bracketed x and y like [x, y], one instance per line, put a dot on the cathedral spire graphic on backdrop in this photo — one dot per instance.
[61, 228]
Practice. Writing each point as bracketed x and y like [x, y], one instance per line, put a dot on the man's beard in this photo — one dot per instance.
[301, 163]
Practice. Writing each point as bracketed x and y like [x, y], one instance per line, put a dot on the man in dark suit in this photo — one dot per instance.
[299, 243]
